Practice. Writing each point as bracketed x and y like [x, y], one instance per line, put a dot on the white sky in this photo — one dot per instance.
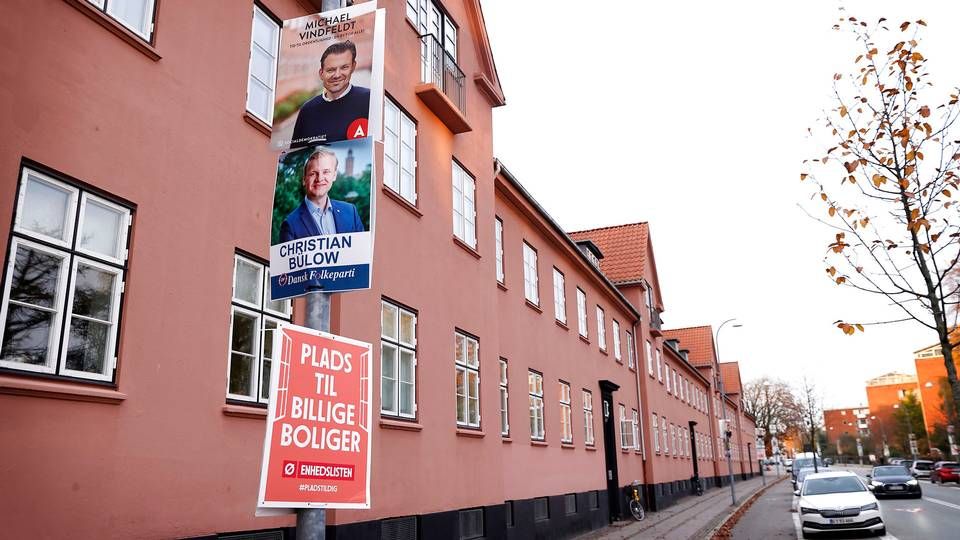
[691, 115]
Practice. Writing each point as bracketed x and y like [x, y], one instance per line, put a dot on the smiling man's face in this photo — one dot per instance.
[318, 178]
[336, 71]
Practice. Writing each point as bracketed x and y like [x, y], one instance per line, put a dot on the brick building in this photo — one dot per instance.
[933, 385]
[883, 393]
[850, 422]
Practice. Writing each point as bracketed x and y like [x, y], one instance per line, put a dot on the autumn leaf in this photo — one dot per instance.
[904, 26]
[947, 193]
[832, 211]
[824, 197]
[851, 166]
[879, 180]
[843, 111]
[840, 280]
[803, 176]
[832, 271]
[860, 327]
[924, 111]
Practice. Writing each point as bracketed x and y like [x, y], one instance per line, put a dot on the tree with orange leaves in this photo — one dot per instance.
[888, 182]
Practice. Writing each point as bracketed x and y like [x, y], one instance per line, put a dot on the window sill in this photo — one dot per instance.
[405, 204]
[567, 445]
[533, 306]
[562, 324]
[257, 123]
[59, 390]
[501, 286]
[590, 448]
[534, 442]
[471, 433]
[604, 352]
[116, 28]
[467, 248]
[245, 411]
[388, 423]
[584, 339]
[506, 440]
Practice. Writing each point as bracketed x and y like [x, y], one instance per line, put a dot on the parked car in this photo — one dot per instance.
[890, 480]
[922, 468]
[801, 475]
[908, 463]
[894, 461]
[945, 471]
[788, 463]
[804, 460]
[831, 501]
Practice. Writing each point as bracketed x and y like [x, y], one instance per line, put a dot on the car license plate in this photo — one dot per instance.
[839, 521]
[895, 488]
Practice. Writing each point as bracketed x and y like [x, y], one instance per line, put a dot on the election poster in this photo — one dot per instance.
[329, 77]
[316, 451]
[321, 236]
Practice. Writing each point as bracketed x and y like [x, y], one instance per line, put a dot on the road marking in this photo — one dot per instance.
[944, 503]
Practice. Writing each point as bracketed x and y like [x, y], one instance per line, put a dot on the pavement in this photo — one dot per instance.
[691, 518]
[933, 517]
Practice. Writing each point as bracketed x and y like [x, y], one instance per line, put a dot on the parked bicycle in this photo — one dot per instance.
[634, 502]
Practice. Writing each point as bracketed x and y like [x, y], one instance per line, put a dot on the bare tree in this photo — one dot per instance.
[810, 410]
[773, 404]
[888, 183]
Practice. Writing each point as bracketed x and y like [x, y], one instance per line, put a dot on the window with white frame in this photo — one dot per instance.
[616, 340]
[535, 389]
[686, 432]
[464, 207]
[655, 429]
[135, 15]
[399, 152]
[254, 318]
[262, 73]
[65, 275]
[601, 330]
[504, 400]
[559, 297]
[498, 235]
[398, 360]
[666, 436]
[666, 371]
[659, 372]
[626, 430]
[531, 282]
[675, 393]
[588, 437]
[566, 414]
[649, 351]
[631, 359]
[636, 429]
[673, 439]
[429, 18]
[582, 312]
[467, 361]
[683, 383]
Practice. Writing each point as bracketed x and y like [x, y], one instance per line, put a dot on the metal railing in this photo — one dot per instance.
[656, 323]
[437, 66]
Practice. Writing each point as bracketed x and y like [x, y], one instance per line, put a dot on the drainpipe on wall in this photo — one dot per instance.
[636, 371]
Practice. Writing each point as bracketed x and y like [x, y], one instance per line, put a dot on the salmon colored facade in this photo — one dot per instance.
[933, 385]
[883, 393]
[149, 120]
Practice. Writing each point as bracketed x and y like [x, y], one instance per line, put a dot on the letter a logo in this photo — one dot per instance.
[357, 129]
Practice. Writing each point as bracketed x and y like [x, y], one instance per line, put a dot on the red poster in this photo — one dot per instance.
[316, 451]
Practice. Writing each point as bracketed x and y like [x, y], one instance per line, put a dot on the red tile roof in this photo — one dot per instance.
[698, 340]
[624, 249]
[730, 375]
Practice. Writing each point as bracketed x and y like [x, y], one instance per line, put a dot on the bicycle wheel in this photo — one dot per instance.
[637, 510]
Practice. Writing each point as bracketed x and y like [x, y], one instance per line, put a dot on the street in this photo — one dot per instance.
[935, 516]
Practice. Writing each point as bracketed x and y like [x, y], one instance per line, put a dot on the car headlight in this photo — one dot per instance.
[874, 483]
[871, 506]
[805, 510]
[912, 482]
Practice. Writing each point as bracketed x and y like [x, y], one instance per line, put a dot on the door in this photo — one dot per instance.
[607, 389]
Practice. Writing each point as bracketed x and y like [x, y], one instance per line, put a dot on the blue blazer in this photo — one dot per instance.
[300, 224]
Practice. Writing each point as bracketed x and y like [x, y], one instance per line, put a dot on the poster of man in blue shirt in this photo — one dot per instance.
[322, 220]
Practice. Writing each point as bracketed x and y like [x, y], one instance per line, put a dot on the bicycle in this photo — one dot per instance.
[634, 502]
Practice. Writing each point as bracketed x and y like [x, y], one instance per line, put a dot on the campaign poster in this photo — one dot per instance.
[316, 451]
[321, 237]
[329, 77]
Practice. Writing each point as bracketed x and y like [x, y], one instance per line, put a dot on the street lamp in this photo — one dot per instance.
[723, 407]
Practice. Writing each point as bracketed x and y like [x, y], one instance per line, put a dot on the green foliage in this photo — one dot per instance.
[291, 104]
[907, 417]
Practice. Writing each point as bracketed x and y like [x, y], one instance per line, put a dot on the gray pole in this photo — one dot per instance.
[723, 407]
[312, 522]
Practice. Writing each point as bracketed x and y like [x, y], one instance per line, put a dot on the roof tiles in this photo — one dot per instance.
[624, 249]
[698, 340]
[730, 375]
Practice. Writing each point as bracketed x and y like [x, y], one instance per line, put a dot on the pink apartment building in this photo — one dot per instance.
[514, 391]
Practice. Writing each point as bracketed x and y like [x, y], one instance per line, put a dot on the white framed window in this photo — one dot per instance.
[616, 341]
[601, 329]
[683, 387]
[675, 393]
[253, 319]
[467, 361]
[559, 297]
[655, 430]
[262, 72]
[649, 351]
[535, 389]
[464, 206]
[399, 152]
[566, 414]
[659, 371]
[135, 15]
[498, 234]
[531, 282]
[588, 437]
[631, 359]
[65, 277]
[398, 360]
[636, 429]
[666, 438]
[666, 371]
[504, 400]
[673, 439]
[429, 18]
[686, 440]
[582, 312]
[626, 429]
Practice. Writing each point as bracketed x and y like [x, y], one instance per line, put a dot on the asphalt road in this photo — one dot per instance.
[935, 516]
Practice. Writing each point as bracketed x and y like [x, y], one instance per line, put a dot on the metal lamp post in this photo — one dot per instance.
[723, 407]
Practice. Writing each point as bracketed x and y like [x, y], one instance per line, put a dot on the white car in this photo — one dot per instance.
[838, 501]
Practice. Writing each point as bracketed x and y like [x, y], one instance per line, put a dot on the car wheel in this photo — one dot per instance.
[882, 531]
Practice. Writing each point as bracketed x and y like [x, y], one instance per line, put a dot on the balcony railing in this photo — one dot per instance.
[440, 68]
[656, 324]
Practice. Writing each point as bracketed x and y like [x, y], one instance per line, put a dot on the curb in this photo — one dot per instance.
[714, 533]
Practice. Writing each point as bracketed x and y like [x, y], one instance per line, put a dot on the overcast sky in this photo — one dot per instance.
[691, 115]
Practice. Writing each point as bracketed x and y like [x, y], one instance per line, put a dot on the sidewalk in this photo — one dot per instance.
[691, 518]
